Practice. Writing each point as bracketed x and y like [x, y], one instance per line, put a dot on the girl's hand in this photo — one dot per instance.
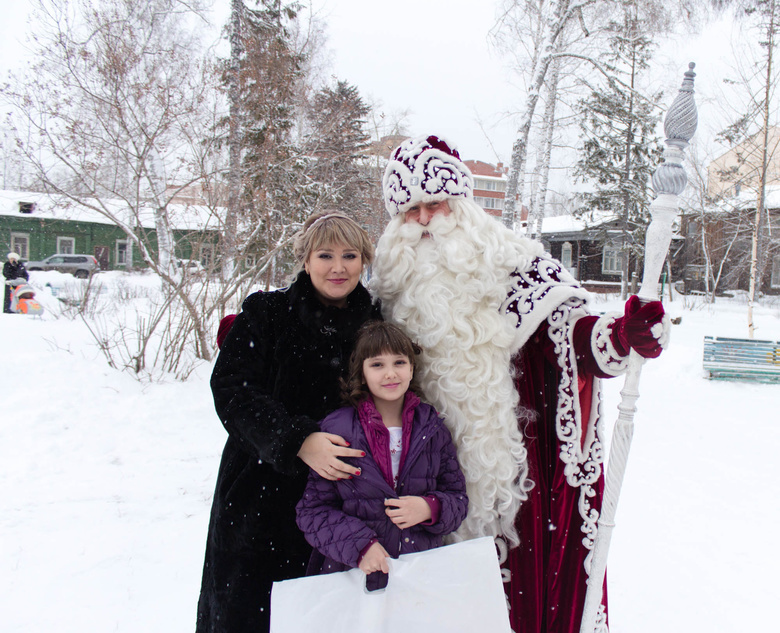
[321, 452]
[375, 559]
[407, 511]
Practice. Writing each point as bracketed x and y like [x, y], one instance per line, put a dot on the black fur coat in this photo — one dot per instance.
[276, 376]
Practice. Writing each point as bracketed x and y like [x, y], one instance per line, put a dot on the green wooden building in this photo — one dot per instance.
[37, 225]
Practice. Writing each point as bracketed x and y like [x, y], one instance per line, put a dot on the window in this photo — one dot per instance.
[775, 272]
[26, 207]
[66, 245]
[566, 255]
[489, 203]
[611, 261]
[489, 185]
[124, 253]
[20, 243]
[250, 261]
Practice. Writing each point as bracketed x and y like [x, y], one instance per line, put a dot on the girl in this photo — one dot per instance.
[410, 494]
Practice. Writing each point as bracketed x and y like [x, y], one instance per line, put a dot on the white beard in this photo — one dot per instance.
[446, 291]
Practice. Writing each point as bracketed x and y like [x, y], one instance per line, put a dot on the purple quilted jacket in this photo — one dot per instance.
[340, 518]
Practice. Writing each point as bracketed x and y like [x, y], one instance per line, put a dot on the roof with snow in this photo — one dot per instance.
[564, 224]
[183, 217]
[747, 200]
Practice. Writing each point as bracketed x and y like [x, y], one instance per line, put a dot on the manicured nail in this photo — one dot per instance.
[357, 472]
[348, 444]
[362, 453]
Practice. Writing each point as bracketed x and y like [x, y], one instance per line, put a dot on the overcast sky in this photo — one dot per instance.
[432, 58]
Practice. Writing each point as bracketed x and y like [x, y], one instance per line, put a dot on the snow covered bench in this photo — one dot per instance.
[741, 359]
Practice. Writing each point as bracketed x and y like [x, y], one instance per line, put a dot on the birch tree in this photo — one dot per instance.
[560, 29]
[542, 169]
[235, 140]
[551, 22]
[115, 106]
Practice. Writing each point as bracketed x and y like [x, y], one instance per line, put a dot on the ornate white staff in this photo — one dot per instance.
[669, 181]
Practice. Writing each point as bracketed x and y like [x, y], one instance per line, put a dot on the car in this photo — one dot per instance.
[190, 266]
[81, 266]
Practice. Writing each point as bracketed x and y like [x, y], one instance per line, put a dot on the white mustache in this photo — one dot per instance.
[438, 227]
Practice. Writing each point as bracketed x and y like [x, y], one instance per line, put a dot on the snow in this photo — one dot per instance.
[106, 483]
[56, 207]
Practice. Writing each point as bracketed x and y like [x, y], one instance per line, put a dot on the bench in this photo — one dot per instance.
[741, 359]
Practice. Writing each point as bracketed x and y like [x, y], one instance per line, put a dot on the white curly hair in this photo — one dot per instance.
[444, 284]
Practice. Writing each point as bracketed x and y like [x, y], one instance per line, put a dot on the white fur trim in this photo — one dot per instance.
[662, 331]
[536, 291]
[582, 457]
[607, 357]
[424, 169]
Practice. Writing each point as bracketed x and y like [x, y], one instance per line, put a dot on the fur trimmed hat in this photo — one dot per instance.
[13, 255]
[424, 169]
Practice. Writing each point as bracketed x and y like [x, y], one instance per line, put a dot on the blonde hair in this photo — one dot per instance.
[328, 228]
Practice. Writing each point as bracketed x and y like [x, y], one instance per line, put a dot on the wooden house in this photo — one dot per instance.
[37, 225]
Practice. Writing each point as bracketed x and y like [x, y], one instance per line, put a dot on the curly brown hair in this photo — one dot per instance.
[373, 339]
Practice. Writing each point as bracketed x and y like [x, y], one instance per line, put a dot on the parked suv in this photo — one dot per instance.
[190, 267]
[81, 266]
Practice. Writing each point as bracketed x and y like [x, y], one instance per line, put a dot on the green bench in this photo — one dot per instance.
[741, 359]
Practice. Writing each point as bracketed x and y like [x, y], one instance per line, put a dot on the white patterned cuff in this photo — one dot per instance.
[607, 357]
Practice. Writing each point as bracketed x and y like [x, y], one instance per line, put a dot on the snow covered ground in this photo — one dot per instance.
[105, 486]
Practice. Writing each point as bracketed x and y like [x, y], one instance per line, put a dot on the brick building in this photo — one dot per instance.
[490, 187]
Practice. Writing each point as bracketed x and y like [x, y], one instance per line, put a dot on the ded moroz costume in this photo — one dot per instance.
[512, 359]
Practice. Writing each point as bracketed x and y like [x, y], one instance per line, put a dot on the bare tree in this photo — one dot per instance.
[705, 240]
[115, 105]
[548, 26]
[234, 140]
[569, 30]
[751, 131]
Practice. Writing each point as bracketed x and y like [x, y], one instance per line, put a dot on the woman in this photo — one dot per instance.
[13, 269]
[277, 374]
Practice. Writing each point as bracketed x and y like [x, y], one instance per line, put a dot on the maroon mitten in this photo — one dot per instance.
[633, 330]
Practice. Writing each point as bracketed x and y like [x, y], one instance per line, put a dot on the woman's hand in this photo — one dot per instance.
[375, 559]
[407, 511]
[321, 452]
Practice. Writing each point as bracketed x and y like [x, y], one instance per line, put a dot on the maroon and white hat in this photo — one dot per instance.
[424, 169]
